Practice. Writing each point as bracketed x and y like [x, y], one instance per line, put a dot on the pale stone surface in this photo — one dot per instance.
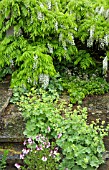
[11, 127]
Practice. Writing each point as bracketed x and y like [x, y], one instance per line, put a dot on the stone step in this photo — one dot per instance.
[5, 95]
[12, 125]
[14, 151]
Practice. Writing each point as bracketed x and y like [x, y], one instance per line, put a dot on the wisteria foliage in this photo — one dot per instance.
[43, 31]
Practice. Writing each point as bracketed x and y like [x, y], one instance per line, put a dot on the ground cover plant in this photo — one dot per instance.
[79, 144]
[3, 160]
[79, 87]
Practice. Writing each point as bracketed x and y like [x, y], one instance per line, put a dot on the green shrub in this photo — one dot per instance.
[48, 31]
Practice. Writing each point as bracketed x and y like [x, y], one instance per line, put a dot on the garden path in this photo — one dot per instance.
[11, 127]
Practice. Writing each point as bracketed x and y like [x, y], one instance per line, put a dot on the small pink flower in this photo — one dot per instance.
[24, 143]
[25, 151]
[55, 152]
[21, 156]
[59, 135]
[48, 129]
[56, 149]
[48, 145]
[39, 148]
[38, 137]
[30, 141]
[51, 153]
[17, 166]
[44, 158]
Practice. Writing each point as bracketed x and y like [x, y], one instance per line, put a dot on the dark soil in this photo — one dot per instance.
[98, 108]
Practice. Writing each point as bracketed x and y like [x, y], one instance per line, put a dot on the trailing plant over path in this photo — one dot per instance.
[80, 144]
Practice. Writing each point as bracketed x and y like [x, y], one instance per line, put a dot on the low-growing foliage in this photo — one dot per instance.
[81, 145]
[79, 87]
[3, 160]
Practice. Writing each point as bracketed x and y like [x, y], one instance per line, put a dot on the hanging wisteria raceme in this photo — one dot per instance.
[44, 80]
[64, 45]
[60, 37]
[102, 44]
[71, 39]
[29, 80]
[41, 5]
[40, 16]
[91, 37]
[92, 32]
[35, 62]
[56, 25]
[31, 20]
[102, 11]
[50, 48]
[106, 39]
[49, 4]
[107, 13]
[90, 42]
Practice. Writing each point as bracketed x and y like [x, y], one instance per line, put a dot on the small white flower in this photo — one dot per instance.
[30, 141]
[44, 158]
[21, 156]
[17, 166]
[24, 143]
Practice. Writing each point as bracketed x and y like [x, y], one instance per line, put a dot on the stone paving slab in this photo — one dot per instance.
[5, 95]
[12, 125]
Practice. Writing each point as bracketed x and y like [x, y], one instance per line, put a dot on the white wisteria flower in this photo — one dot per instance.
[44, 80]
[56, 25]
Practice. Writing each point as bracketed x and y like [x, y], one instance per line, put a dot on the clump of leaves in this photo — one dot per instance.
[3, 160]
[79, 87]
[4, 72]
[81, 145]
